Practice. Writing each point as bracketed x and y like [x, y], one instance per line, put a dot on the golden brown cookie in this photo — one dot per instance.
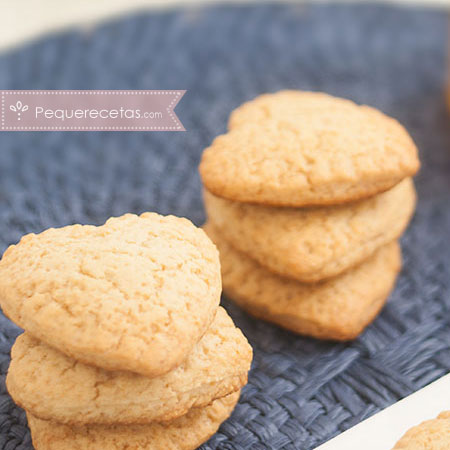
[312, 244]
[185, 433]
[297, 148]
[53, 386]
[429, 435]
[136, 293]
[338, 309]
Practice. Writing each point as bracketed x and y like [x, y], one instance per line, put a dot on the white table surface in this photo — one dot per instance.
[383, 430]
[23, 20]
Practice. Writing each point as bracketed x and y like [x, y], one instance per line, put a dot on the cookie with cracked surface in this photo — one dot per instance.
[312, 244]
[295, 148]
[53, 386]
[185, 433]
[337, 309]
[136, 293]
[429, 435]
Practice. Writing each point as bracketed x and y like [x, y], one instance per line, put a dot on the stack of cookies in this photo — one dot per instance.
[306, 196]
[125, 346]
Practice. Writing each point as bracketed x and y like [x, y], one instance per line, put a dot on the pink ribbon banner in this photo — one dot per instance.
[90, 111]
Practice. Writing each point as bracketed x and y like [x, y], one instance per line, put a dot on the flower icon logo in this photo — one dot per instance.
[18, 108]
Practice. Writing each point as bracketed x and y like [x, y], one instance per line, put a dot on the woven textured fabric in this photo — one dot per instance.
[301, 392]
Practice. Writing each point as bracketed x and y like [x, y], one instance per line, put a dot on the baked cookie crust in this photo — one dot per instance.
[337, 309]
[429, 435]
[136, 293]
[53, 386]
[296, 148]
[312, 244]
[185, 433]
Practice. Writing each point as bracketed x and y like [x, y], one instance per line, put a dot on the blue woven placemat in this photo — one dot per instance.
[301, 392]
